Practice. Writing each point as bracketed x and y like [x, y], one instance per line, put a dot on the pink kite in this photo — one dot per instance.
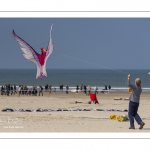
[31, 55]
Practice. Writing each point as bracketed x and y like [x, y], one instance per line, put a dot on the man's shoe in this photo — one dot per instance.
[141, 125]
[132, 128]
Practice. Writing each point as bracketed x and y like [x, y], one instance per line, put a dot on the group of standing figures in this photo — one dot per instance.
[8, 89]
[86, 89]
[24, 90]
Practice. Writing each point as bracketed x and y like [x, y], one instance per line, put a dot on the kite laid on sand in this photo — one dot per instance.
[31, 55]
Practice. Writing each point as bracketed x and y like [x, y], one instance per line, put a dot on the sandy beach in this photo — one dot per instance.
[70, 121]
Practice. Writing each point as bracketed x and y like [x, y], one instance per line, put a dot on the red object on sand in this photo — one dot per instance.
[94, 98]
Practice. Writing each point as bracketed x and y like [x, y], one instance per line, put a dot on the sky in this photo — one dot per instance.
[79, 43]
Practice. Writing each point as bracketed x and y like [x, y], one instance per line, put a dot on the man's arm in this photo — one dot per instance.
[128, 82]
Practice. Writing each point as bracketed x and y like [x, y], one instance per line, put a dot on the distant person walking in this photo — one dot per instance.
[95, 90]
[11, 90]
[46, 87]
[67, 88]
[85, 90]
[89, 89]
[54, 90]
[15, 89]
[40, 90]
[77, 88]
[106, 90]
[2, 90]
[134, 101]
[81, 87]
[19, 90]
[7, 89]
[61, 87]
[50, 89]
[109, 88]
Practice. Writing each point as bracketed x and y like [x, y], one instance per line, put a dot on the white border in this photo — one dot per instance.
[75, 14]
[97, 9]
[64, 144]
[75, 5]
[76, 135]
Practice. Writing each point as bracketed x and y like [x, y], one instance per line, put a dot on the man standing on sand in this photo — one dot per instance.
[134, 101]
[67, 88]
[89, 89]
[19, 90]
[50, 89]
[95, 90]
[40, 90]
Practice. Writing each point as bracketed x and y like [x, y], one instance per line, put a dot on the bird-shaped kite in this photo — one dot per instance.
[31, 55]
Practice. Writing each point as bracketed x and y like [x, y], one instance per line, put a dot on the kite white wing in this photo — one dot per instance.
[49, 51]
[29, 53]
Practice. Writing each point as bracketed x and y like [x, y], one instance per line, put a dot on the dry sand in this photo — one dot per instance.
[70, 121]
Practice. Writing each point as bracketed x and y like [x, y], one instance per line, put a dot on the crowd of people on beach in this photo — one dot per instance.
[22, 90]
[85, 89]
[8, 89]
[38, 90]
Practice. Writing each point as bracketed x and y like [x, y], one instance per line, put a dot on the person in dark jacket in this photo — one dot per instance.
[15, 89]
[67, 88]
[40, 90]
[11, 90]
[85, 92]
[134, 101]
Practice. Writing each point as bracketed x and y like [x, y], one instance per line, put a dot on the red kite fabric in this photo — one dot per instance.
[94, 98]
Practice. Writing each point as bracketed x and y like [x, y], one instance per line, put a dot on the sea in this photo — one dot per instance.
[117, 79]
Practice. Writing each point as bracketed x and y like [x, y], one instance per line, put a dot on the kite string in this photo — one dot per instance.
[89, 62]
[92, 63]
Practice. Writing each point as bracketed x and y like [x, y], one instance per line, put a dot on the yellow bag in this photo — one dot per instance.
[114, 117]
[122, 118]
[119, 118]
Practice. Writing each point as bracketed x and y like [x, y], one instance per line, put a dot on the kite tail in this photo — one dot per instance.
[41, 72]
[41, 75]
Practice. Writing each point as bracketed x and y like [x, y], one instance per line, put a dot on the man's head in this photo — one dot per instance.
[138, 81]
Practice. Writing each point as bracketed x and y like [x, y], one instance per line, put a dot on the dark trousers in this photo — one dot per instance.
[133, 108]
